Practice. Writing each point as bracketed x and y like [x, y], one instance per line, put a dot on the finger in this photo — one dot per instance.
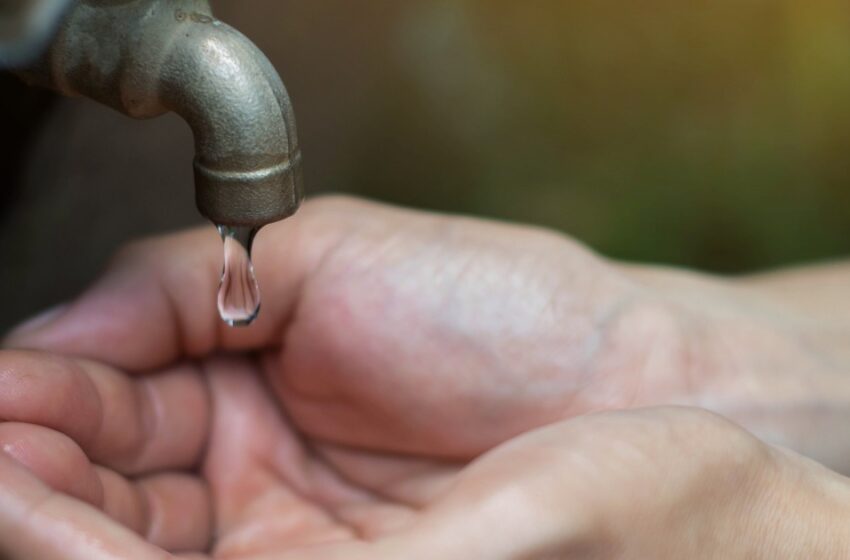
[130, 425]
[54, 458]
[157, 301]
[180, 512]
[37, 522]
[172, 511]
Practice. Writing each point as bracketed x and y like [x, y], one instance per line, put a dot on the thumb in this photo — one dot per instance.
[37, 522]
[156, 302]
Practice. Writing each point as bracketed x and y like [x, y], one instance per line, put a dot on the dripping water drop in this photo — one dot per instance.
[238, 293]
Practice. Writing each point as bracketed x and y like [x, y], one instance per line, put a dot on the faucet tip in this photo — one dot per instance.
[250, 195]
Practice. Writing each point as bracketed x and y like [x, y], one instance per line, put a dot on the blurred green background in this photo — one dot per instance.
[709, 134]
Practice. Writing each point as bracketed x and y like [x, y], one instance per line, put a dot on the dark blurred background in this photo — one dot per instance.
[709, 134]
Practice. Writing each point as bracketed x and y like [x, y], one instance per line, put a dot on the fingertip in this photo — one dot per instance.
[180, 518]
[35, 324]
[121, 320]
[54, 458]
[37, 522]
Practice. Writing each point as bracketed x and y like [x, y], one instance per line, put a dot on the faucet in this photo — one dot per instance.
[145, 58]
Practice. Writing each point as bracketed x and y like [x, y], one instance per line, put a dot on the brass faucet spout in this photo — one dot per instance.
[147, 57]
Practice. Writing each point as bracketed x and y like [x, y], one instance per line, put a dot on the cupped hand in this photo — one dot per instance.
[408, 332]
[202, 462]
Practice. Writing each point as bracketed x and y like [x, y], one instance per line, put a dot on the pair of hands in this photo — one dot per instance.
[420, 387]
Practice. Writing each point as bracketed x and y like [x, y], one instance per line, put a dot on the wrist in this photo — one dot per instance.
[734, 350]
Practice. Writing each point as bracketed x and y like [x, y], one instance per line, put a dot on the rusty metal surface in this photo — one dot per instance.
[148, 57]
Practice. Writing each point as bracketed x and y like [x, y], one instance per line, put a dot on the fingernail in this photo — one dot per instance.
[38, 322]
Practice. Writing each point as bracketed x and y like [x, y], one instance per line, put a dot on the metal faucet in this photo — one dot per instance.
[148, 57]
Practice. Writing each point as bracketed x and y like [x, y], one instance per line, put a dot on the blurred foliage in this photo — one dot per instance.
[711, 133]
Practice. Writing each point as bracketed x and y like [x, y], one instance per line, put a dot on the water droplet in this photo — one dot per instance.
[238, 293]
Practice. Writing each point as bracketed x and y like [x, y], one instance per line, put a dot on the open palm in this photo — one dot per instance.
[161, 454]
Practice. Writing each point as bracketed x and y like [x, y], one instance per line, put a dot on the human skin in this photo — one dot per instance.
[403, 347]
